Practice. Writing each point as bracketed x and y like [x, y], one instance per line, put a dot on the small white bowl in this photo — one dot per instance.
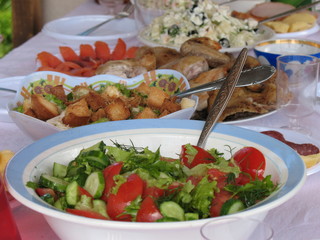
[38, 82]
[66, 29]
[268, 51]
[282, 162]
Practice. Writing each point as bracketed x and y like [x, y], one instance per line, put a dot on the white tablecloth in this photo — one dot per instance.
[302, 208]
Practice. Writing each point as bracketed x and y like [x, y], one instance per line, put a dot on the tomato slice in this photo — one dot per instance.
[219, 199]
[43, 191]
[219, 176]
[108, 173]
[127, 192]
[86, 213]
[148, 211]
[251, 161]
[82, 191]
[154, 192]
[192, 156]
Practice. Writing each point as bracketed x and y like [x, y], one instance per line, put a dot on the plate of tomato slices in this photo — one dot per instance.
[84, 61]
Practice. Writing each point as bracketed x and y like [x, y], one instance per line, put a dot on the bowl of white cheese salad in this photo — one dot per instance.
[147, 179]
[186, 19]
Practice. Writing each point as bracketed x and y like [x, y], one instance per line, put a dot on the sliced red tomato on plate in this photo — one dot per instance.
[86, 213]
[127, 192]
[108, 173]
[148, 211]
[251, 161]
[119, 51]
[192, 156]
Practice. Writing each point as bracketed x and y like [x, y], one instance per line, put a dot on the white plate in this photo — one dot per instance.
[5, 97]
[291, 136]
[66, 29]
[268, 33]
[250, 118]
[304, 33]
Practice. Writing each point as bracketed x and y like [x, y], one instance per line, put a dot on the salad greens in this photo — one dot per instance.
[129, 183]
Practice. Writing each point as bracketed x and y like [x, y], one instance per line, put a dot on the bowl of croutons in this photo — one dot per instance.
[49, 102]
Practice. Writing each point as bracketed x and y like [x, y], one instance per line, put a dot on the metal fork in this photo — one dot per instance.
[126, 11]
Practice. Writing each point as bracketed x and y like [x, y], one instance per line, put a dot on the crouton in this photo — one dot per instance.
[77, 114]
[58, 91]
[95, 101]
[43, 109]
[146, 113]
[170, 105]
[111, 93]
[80, 91]
[117, 110]
[156, 98]
[95, 116]
[143, 88]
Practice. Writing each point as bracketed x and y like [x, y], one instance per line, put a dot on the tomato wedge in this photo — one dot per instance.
[148, 211]
[127, 192]
[86, 213]
[43, 191]
[192, 156]
[108, 173]
[251, 161]
[219, 199]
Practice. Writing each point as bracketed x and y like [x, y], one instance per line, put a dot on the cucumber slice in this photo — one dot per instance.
[72, 193]
[53, 182]
[100, 206]
[231, 206]
[172, 209]
[95, 184]
[59, 170]
[191, 216]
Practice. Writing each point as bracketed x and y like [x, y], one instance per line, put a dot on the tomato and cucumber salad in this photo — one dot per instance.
[127, 183]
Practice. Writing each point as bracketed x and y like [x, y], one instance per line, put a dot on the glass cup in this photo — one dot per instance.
[297, 80]
[146, 10]
[9, 230]
[234, 228]
[111, 6]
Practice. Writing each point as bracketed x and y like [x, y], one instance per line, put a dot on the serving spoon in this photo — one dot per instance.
[248, 77]
[223, 97]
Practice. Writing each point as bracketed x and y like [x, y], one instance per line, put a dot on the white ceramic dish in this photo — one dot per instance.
[285, 166]
[267, 33]
[38, 82]
[299, 34]
[292, 136]
[243, 6]
[250, 118]
[66, 29]
[5, 97]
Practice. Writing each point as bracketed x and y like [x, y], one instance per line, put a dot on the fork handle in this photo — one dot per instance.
[90, 30]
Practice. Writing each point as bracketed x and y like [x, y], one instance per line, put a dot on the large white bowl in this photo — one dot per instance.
[66, 29]
[285, 166]
[38, 82]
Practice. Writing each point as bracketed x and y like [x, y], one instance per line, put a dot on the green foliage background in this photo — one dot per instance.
[5, 27]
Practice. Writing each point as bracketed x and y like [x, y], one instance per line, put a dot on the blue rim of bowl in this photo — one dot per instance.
[15, 168]
[284, 41]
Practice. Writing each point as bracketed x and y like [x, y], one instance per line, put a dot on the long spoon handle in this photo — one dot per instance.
[223, 97]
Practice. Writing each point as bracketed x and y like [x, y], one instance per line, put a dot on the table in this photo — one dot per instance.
[21, 61]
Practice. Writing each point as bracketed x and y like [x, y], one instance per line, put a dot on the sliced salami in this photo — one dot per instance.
[303, 149]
